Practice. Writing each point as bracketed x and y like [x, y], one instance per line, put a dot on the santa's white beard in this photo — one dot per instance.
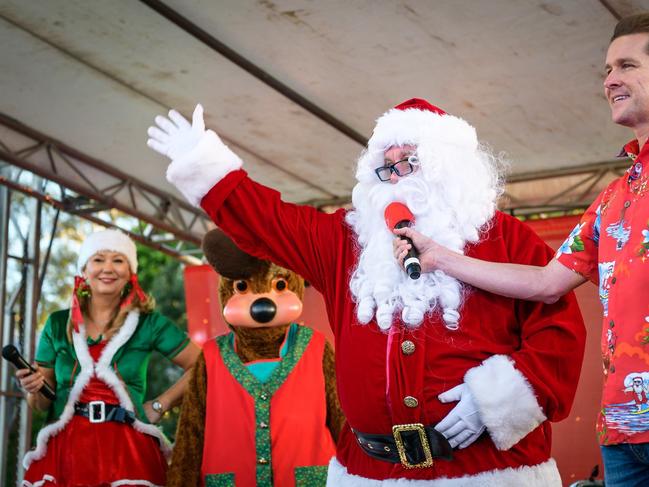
[379, 285]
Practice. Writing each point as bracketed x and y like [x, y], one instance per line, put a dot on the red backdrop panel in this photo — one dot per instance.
[574, 444]
[204, 318]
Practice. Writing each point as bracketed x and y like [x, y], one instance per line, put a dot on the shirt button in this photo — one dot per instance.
[410, 401]
[408, 347]
[263, 396]
[263, 425]
[262, 461]
[627, 204]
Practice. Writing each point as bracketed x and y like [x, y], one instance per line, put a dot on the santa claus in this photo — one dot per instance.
[635, 384]
[442, 385]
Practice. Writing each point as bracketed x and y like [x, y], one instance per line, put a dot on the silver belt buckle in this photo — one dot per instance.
[97, 407]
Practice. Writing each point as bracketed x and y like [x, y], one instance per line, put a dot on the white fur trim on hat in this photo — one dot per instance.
[544, 474]
[411, 126]
[422, 128]
[506, 400]
[110, 240]
[196, 172]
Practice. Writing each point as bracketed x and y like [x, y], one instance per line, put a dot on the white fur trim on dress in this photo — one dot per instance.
[39, 483]
[197, 171]
[544, 474]
[104, 372]
[506, 400]
[116, 483]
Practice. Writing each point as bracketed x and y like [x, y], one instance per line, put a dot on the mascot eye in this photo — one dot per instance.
[241, 286]
[280, 285]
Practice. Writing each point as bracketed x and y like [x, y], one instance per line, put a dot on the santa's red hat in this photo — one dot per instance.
[415, 122]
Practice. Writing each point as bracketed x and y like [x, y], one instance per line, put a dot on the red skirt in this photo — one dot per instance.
[99, 454]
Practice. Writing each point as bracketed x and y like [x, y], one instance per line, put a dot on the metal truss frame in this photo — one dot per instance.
[165, 222]
[18, 319]
[576, 188]
[174, 227]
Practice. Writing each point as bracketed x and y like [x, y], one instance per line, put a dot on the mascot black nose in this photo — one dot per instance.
[263, 310]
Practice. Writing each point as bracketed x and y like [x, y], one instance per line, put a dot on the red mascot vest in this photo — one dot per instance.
[272, 433]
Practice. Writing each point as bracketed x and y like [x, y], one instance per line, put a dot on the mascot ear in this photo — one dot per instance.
[228, 259]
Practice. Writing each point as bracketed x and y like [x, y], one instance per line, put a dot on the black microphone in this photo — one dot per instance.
[397, 215]
[11, 353]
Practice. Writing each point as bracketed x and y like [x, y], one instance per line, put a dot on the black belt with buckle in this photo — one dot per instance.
[100, 412]
[411, 445]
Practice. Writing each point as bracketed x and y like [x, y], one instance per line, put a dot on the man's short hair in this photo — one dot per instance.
[633, 24]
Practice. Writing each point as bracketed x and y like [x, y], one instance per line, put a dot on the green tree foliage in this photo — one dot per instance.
[70, 231]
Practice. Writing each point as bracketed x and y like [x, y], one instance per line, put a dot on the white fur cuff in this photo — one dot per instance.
[506, 400]
[544, 474]
[196, 172]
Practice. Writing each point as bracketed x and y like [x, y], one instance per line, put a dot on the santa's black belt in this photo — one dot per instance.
[100, 412]
[411, 445]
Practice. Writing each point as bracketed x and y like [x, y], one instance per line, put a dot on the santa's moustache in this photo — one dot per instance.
[378, 284]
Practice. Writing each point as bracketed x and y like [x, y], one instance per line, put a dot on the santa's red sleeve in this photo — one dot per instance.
[300, 238]
[516, 392]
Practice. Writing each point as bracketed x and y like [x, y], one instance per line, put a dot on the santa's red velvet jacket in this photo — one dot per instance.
[521, 360]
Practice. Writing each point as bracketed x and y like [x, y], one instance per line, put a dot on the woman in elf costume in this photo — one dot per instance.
[97, 353]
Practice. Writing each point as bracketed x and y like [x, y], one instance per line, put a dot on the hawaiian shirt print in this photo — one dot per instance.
[610, 246]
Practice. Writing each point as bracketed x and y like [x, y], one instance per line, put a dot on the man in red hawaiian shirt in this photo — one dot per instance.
[610, 247]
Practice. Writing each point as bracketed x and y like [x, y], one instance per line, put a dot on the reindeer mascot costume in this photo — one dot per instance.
[262, 407]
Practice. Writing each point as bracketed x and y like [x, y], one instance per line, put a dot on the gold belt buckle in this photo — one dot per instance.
[397, 429]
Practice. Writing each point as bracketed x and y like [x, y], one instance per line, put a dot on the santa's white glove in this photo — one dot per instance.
[174, 136]
[463, 424]
[199, 159]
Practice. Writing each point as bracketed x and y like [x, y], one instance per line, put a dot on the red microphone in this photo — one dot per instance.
[397, 215]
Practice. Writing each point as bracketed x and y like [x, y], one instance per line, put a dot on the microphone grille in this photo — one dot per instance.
[9, 352]
[396, 212]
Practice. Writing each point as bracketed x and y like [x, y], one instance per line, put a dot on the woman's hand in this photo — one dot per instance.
[31, 381]
[173, 396]
[152, 415]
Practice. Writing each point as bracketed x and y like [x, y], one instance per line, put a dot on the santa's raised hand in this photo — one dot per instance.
[199, 159]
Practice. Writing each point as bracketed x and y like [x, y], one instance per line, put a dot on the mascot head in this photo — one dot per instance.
[259, 299]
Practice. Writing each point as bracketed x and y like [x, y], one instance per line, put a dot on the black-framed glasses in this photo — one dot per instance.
[402, 167]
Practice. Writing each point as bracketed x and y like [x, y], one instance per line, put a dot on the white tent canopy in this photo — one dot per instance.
[528, 75]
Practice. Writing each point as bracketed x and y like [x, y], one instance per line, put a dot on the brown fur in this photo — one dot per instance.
[252, 344]
[187, 455]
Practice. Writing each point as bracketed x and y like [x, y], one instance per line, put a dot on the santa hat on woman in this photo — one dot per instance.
[110, 241]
